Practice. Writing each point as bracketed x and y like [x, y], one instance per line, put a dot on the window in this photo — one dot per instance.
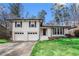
[58, 31]
[54, 31]
[32, 23]
[61, 31]
[18, 24]
[44, 31]
[19, 33]
[32, 32]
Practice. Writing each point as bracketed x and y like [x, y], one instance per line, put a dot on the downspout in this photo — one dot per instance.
[39, 33]
[39, 30]
[51, 32]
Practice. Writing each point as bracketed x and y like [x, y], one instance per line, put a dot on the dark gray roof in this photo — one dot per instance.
[55, 26]
[23, 19]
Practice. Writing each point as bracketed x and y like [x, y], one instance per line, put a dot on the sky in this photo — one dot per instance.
[34, 8]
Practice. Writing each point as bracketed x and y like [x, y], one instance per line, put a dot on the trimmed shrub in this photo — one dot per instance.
[76, 33]
[69, 35]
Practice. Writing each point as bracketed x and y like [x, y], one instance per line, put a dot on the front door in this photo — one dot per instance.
[44, 32]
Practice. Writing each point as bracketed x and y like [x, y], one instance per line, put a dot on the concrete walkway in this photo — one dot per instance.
[16, 49]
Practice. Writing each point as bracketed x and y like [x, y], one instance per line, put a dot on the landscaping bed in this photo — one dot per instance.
[60, 47]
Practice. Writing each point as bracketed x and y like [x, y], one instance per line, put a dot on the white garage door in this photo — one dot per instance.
[32, 36]
[19, 36]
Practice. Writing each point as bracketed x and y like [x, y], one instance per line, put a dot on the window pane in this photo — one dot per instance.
[55, 31]
[61, 30]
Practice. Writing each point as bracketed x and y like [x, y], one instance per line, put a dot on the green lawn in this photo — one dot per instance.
[61, 47]
[2, 41]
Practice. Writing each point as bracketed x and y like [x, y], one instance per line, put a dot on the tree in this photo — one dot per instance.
[61, 14]
[56, 10]
[75, 13]
[32, 17]
[3, 13]
[3, 19]
[3, 16]
[66, 15]
[42, 14]
[16, 9]
[27, 15]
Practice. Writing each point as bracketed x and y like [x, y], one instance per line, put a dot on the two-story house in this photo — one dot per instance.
[33, 29]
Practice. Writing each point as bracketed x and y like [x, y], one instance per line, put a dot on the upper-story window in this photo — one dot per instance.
[32, 23]
[18, 24]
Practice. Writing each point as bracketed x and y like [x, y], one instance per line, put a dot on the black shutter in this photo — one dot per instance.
[21, 24]
[15, 24]
[29, 23]
[35, 23]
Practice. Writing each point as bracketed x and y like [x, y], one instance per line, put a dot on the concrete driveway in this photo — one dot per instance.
[16, 49]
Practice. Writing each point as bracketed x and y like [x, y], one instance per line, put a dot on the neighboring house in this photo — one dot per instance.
[33, 29]
[4, 33]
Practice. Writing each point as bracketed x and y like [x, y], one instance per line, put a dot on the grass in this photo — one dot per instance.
[2, 41]
[60, 47]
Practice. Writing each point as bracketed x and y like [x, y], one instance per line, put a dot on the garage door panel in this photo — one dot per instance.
[20, 37]
[33, 36]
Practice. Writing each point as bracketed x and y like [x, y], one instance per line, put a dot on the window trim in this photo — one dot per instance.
[58, 31]
[30, 24]
[16, 25]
